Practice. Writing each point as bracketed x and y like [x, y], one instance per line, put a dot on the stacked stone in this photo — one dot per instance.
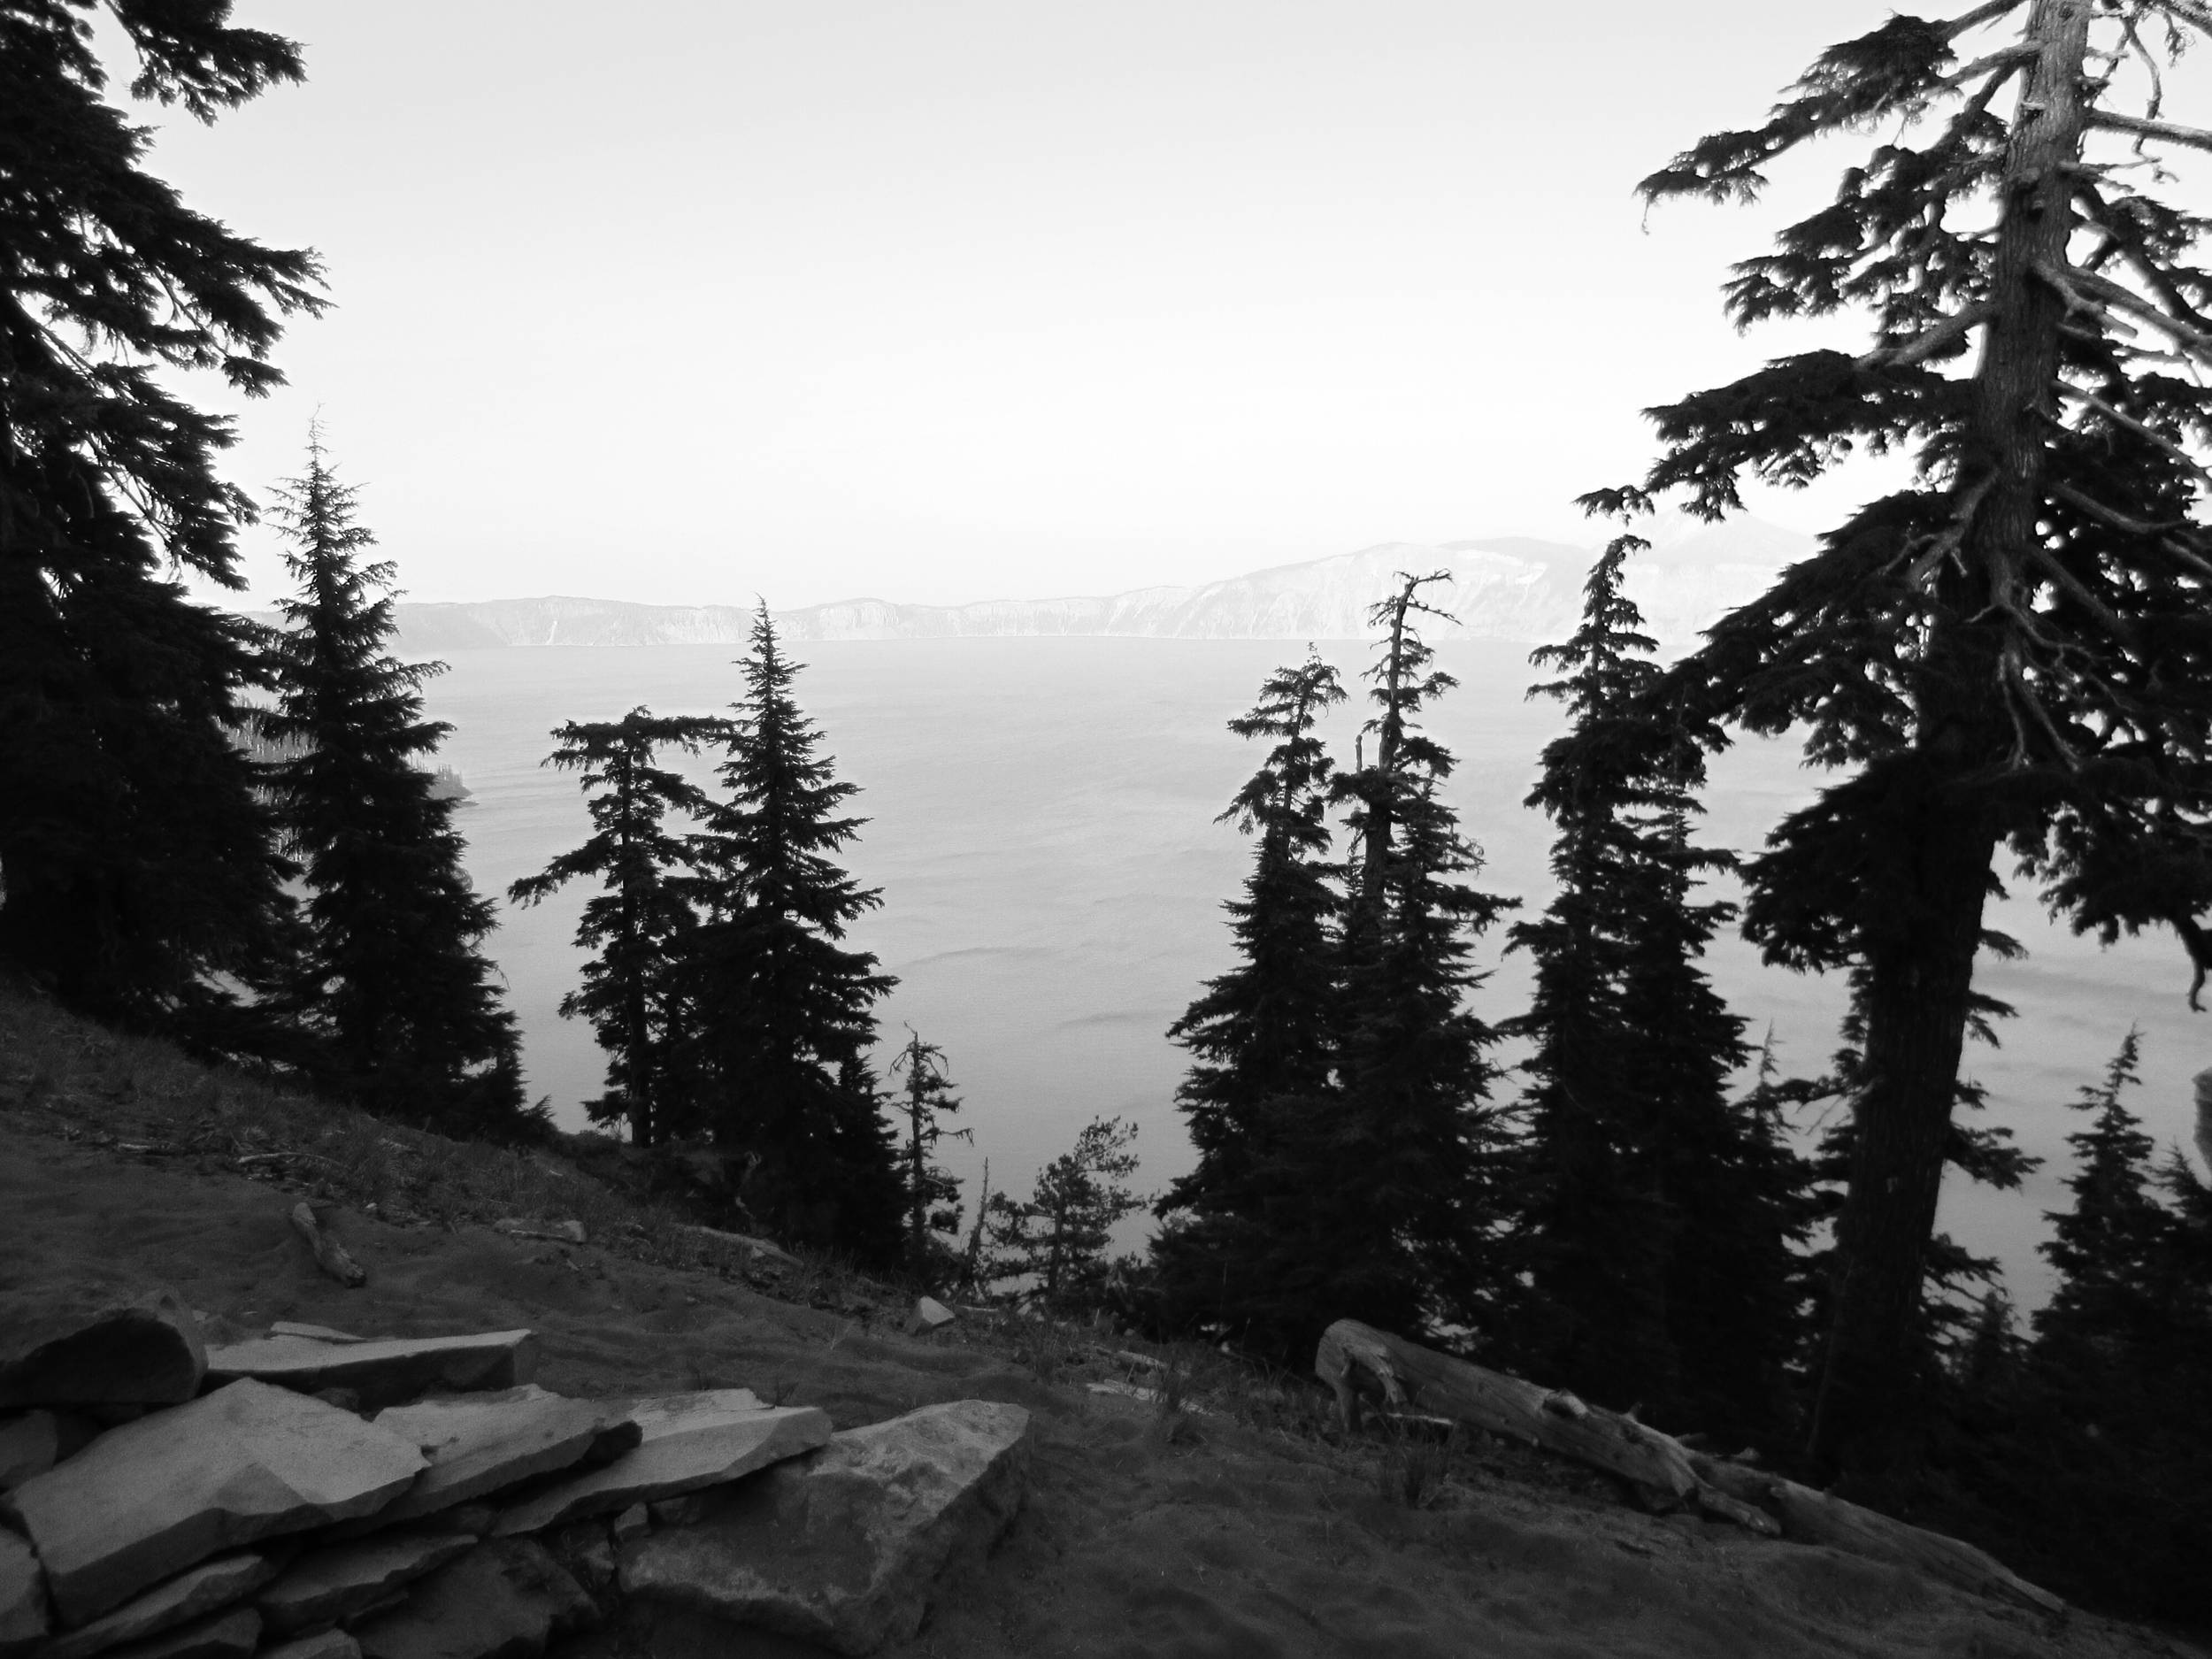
[310, 1495]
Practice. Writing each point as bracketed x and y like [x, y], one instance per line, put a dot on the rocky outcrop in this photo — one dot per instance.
[500, 1601]
[160, 1494]
[381, 1373]
[258, 1521]
[189, 1595]
[99, 1353]
[33, 1443]
[844, 1547]
[23, 1621]
[485, 1443]
[687, 1442]
[327, 1586]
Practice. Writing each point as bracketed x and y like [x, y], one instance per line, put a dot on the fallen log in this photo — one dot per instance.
[1411, 1376]
[1809, 1517]
[330, 1256]
[759, 1247]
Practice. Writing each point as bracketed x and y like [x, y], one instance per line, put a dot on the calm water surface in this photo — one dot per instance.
[1041, 827]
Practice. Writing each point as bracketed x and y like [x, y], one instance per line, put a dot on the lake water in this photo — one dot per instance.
[1041, 827]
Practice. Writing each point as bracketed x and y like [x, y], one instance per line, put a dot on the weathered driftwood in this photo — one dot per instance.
[330, 1256]
[1410, 1377]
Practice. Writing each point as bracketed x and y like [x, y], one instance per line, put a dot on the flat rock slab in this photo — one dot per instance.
[502, 1601]
[328, 1585]
[313, 1332]
[232, 1635]
[34, 1442]
[191, 1594]
[382, 1373]
[98, 1352]
[23, 1618]
[479, 1444]
[844, 1548]
[327, 1643]
[156, 1496]
[687, 1442]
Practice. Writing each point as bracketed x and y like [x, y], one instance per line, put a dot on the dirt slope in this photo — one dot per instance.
[1221, 1538]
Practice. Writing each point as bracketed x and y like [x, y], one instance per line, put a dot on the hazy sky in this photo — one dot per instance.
[686, 300]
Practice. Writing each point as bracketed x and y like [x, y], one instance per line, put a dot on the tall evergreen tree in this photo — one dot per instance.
[136, 860]
[1263, 1038]
[1405, 1176]
[393, 982]
[787, 1012]
[641, 922]
[2014, 647]
[933, 1195]
[1660, 1213]
[2107, 1246]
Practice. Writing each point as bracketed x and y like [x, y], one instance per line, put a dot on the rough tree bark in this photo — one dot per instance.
[1920, 974]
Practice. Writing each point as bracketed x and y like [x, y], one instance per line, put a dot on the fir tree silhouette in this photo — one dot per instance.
[137, 861]
[392, 981]
[1404, 1169]
[787, 1012]
[641, 922]
[2013, 649]
[1236, 1253]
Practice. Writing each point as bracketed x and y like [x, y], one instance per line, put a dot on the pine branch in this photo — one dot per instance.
[2076, 287]
[1925, 344]
[2149, 434]
[2173, 133]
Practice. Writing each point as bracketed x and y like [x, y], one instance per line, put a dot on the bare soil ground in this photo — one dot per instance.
[1240, 1526]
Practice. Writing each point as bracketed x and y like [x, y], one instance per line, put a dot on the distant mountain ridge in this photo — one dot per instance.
[1503, 587]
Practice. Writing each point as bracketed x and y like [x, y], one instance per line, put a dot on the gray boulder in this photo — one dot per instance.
[844, 1548]
[687, 1441]
[479, 1444]
[23, 1618]
[95, 1351]
[156, 1496]
[231, 1635]
[381, 1373]
[335, 1584]
[502, 1601]
[191, 1594]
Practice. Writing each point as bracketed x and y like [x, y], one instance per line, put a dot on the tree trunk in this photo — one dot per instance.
[1375, 850]
[1920, 967]
[636, 1033]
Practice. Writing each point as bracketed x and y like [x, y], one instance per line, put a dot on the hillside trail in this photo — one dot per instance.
[1141, 1535]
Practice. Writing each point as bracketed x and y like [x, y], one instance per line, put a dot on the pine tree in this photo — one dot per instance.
[137, 861]
[1660, 1214]
[2105, 1247]
[1402, 1167]
[2014, 647]
[641, 921]
[1263, 1038]
[787, 1012]
[1057, 1240]
[392, 982]
[933, 1195]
